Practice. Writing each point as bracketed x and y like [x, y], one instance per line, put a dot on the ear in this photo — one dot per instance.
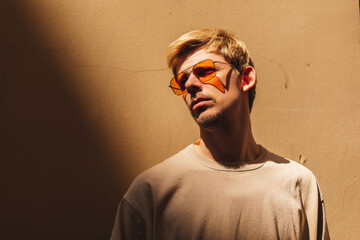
[248, 78]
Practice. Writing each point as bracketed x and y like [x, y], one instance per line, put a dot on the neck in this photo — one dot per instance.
[233, 143]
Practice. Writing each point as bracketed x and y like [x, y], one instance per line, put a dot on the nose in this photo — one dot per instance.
[193, 84]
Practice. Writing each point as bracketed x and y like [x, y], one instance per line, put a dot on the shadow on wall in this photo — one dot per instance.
[55, 183]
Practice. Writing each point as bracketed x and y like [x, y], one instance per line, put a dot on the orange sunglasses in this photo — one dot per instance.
[204, 71]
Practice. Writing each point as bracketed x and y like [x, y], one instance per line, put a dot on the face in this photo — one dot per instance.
[211, 103]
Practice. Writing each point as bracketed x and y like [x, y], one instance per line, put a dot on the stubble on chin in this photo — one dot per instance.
[209, 122]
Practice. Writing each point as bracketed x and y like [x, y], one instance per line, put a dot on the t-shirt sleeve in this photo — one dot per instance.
[323, 232]
[130, 224]
[315, 210]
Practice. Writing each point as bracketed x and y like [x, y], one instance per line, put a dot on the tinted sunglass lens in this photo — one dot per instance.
[205, 70]
[181, 79]
[175, 87]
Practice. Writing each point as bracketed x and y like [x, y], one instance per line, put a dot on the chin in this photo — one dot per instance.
[209, 120]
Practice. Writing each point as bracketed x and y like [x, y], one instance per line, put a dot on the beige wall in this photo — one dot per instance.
[85, 107]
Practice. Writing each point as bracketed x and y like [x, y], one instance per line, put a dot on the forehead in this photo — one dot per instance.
[197, 56]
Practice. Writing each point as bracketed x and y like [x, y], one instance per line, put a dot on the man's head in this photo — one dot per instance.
[215, 40]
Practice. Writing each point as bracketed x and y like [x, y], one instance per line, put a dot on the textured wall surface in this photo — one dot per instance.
[85, 107]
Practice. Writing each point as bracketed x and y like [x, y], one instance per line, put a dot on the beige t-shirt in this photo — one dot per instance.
[189, 196]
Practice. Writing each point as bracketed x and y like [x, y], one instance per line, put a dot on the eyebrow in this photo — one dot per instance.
[214, 61]
[197, 63]
[190, 67]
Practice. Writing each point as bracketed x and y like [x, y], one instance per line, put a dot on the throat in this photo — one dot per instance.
[231, 146]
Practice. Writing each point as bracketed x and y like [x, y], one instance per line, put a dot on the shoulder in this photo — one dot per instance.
[292, 175]
[289, 168]
[162, 174]
[175, 164]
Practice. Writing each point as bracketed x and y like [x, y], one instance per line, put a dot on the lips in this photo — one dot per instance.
[199, 102]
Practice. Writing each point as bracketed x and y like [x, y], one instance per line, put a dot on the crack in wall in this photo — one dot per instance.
[342, 203]
[122, 69]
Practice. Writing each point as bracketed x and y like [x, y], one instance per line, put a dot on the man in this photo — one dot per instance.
[225, 186]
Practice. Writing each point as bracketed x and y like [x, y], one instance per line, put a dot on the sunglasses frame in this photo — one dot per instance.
[192, 71]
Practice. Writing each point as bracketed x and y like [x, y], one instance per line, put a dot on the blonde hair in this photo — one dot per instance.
[216, 40]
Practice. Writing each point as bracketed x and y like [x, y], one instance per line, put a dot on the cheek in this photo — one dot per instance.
[216, 82]
[186, 100]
